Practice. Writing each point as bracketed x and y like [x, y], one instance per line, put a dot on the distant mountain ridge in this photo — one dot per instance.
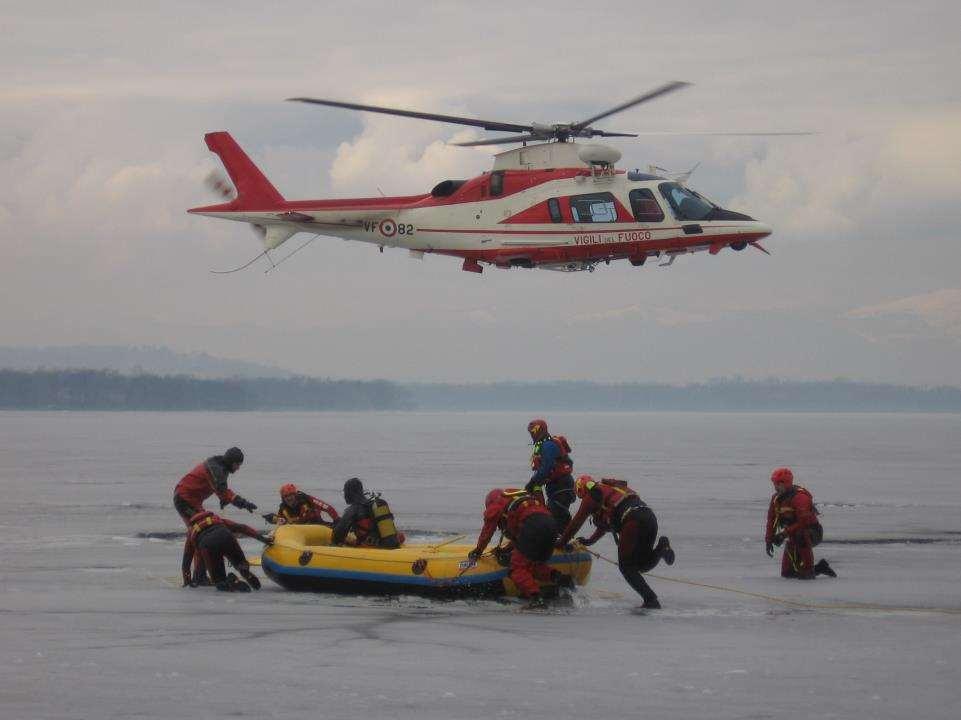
[134, 360]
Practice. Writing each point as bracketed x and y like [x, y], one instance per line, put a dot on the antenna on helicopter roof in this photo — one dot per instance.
[679, 177]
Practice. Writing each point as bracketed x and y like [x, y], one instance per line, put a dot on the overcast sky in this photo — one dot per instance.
[103, 107]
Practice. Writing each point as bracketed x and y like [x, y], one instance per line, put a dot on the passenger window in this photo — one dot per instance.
[645, 207]
[554, 208]
[596, 208]
[497, 183]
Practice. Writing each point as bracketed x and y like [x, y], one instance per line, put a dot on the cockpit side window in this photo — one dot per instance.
[687, 205]
[594, 208]
[645, 206]
[554, 208]
[497, 183]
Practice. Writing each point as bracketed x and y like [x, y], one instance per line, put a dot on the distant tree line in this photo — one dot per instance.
[719, 395]
[108, 390]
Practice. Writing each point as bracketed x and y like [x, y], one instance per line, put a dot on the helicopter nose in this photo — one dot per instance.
[763, 229]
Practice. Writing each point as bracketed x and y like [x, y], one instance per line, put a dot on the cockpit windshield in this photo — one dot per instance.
[687, 204]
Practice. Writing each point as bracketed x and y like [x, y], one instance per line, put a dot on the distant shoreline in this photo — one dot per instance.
[106, 390]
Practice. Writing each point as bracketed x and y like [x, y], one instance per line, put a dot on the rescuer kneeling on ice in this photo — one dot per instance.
[792, 519]
[552, 466]
[615, 507]
[531, 529]
[212, 537]
[369, 517]
[299, 508]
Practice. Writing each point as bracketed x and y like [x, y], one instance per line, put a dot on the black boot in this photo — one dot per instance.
[651, 603]
[562, 580]
[822, 568]
[665, 550]
[252, 579]
[537, 602]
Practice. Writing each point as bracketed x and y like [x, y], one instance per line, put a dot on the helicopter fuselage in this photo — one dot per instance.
[520, 214]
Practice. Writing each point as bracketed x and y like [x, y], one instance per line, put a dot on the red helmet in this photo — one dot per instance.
[782, 475]
[493, 496]
[288, 489]
[583, 485]
[537, 428]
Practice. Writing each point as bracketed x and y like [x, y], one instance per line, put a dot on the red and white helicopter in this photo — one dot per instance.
[557, 205]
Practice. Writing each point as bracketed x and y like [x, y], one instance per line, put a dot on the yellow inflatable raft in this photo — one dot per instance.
[302, 558]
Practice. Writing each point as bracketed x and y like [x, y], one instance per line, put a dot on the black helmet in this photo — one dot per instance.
[234, 456]
[353, 490]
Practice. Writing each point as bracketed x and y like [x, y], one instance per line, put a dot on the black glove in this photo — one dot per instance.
[244, 504]
[271, 518]
[474, 554]
[779, 539]
[586, 542]
[769, 549]
[503, 556]
[188, 582]
[265, 539]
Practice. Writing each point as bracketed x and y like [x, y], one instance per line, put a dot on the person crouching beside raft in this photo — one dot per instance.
[299, 508]
[792, 519]
[369, 517]
[212, 537]
[531, 530]
[615, 507]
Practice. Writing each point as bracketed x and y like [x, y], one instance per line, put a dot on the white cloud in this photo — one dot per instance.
[938, 311]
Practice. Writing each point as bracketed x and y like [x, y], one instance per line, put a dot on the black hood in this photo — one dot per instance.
[353, 491]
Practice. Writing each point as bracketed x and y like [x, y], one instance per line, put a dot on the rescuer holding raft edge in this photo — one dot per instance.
[299, 508]
[792, 520]
[552, 467]
[212, 537]
[531, 529]
[615, 507]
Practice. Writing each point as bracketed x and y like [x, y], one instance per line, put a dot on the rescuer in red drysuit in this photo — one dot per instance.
[531, 529]
[299, 508]
[212, 537]
[208, 478]
[615, 507]
[793, 520]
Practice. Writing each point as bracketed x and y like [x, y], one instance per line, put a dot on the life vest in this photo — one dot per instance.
[610, 494]
[306, 511]
[784, 513]
[563, 466]
[202, 521]
[520, 505]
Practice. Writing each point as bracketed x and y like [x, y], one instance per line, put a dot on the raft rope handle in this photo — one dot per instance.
[791, 603]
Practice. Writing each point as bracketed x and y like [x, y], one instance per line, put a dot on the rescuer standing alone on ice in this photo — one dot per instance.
[793, 520]
[552, 466]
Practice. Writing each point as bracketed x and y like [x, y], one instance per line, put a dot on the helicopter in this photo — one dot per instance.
[552, 203]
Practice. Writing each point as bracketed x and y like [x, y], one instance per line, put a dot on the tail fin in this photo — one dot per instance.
[254, 190]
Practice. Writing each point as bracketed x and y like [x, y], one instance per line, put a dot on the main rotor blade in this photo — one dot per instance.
[498, 141]
[604, 133]
[726, 134]
[657, 92]
[486, 124]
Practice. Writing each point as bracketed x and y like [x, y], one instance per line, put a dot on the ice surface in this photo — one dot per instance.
[93, 623]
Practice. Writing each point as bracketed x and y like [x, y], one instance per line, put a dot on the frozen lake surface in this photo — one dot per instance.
[93, 623]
